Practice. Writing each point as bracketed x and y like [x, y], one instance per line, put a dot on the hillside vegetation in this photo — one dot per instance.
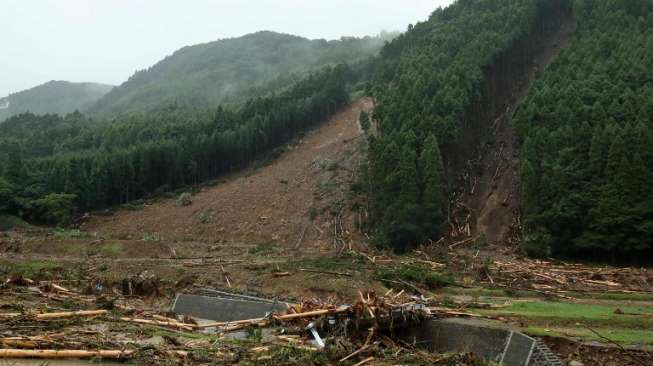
[586, 127]
[54, 166]
[232, 70]
[583, 149]
[441, 78]
[56, 97]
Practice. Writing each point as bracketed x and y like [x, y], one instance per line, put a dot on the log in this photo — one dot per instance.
[231, 323]
[236, 324]
[364, 361]
[326, 272]
[178, 325]
[354, 353]
[61, 315]
[71, 314]
[281, 274]
[51, 353]
[309, 314]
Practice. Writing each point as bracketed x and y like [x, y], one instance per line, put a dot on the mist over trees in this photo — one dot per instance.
[53, 166]
[232, 70]
[57, 97]
[584, 130]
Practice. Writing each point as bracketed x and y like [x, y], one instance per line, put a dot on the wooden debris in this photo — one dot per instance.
[174, 324]
[51, 353]
[354, 353]
[554, 278]
[61, 315]
[326, 272]
[365, 361]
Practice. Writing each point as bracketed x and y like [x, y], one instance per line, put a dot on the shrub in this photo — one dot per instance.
[151, 237]
[537, 244]
[55, 208]
[416, 275]
[185, 199]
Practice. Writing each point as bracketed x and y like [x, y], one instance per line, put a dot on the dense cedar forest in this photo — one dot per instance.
[232, 70]
[55, 166]
[587, 138]
[58, 97]
[585, 130]
[427, 90]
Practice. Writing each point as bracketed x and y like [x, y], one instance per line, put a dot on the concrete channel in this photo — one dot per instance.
[491, 341]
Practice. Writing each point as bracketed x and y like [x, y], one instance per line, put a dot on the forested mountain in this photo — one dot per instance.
[53, 166]
[207, 74]
[438, 80]
[586, 127]
[57, 97]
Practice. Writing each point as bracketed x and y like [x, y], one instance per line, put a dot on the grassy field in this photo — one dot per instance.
[590, 319]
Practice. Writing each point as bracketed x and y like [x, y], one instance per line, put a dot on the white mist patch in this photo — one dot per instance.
[4, 104]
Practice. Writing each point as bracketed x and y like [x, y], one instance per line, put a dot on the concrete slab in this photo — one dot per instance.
[223, 309]
[488, 340]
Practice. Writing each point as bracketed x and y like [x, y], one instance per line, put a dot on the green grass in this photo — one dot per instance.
[414, 274]
[152, 237]
[69, 234]
[571, 320]
[112, 250]
[621, 336]
[478, 292]
[617, 296]
[342, 263]
[262, 248]
[562, 313]
[487, 292]
[33, 269]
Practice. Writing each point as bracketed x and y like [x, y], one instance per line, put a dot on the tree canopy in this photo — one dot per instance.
[587, 141]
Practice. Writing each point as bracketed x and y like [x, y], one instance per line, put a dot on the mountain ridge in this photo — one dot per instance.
[212, 73]
[53, 97]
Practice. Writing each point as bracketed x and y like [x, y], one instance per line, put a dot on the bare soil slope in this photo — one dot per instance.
[488, 205]
[288, 202]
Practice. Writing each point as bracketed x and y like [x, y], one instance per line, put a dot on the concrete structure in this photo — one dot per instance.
[223, 306]
[489, 341]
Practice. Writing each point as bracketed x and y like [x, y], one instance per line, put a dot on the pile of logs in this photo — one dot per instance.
[71, 341]
[545, 276]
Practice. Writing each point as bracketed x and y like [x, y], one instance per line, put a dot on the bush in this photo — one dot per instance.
[417, 275]
[151, 237]
[55, 208]
[185, 199]
[6, 195]
[537, 244]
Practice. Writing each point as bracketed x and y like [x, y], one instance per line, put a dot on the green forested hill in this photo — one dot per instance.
[587, 132]
[58, 97]
[53, 166]
[438, 79]
[207, 74]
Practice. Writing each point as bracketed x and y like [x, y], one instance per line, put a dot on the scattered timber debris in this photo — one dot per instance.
[308, 333]
[551, 277]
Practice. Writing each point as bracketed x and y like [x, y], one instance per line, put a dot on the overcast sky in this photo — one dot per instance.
[107, 40]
